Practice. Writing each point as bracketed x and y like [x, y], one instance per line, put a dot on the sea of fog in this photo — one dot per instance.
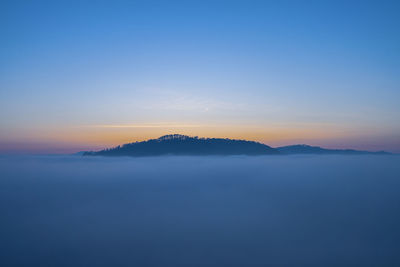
[200, 211]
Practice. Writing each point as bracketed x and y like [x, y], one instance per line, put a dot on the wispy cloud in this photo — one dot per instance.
[172, 100]
[155, 125]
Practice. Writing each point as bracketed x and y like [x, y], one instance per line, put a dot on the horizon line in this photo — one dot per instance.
[42, 148]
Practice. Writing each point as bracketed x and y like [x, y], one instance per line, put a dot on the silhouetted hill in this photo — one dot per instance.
[306, 149]
[177, 144]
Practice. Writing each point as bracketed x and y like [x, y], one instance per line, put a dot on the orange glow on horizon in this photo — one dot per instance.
[101, 136]
[69, 139]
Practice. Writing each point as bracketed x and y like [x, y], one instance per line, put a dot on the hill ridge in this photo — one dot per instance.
[178, 144]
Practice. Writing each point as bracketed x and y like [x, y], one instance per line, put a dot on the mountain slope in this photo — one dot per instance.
[306, 149]
[177, 144]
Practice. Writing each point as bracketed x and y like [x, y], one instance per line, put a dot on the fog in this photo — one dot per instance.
[171, 211]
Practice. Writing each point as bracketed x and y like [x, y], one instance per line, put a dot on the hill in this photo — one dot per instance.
[177, 144]
[306, 149]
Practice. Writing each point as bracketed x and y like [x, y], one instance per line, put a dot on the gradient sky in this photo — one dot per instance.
[78, 75]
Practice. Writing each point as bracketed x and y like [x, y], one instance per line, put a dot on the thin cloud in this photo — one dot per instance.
[146, 125]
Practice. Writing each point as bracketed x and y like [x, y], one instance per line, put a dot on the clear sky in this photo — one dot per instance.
[78, 75]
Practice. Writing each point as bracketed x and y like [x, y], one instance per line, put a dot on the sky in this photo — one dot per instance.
[82, 75]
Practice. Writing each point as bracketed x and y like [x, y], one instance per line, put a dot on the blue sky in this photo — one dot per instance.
[88, 74]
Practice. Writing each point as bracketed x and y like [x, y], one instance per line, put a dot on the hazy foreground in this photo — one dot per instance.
[75, 211]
